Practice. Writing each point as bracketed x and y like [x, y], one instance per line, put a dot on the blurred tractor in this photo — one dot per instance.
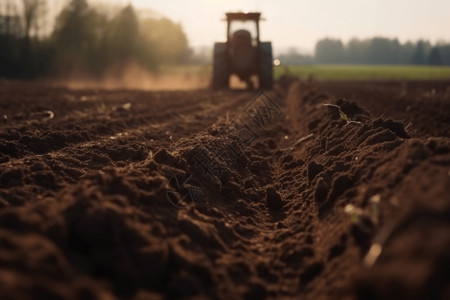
[243, 54]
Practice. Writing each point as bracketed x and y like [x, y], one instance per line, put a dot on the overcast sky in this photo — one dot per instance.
[300, 23]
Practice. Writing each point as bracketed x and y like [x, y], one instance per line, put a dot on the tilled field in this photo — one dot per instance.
[316, 190]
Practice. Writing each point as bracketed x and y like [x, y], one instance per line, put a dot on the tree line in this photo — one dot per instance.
[85, 41]
[376, 50]
[89, 41]
[380, 50]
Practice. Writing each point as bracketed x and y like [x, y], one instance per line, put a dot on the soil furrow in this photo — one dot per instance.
[199, 194]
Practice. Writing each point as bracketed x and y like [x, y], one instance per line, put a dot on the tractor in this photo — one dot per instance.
[243, 54]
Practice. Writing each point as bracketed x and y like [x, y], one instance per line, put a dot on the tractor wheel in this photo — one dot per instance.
[220, 68]
[265, 66]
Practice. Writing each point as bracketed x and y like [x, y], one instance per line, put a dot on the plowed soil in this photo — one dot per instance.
[326, 190]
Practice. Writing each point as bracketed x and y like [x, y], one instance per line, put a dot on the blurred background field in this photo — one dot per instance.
[354, 72]
[327, 72]
[115, 44]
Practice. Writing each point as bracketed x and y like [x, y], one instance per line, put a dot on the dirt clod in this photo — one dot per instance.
[273, 199]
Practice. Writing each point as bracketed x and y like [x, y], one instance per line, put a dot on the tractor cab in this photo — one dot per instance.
[243, 54]
[243, 24]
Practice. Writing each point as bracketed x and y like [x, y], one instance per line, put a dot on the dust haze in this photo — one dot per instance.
[133, 76]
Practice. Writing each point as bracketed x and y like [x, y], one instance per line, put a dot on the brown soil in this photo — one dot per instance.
[127, 194]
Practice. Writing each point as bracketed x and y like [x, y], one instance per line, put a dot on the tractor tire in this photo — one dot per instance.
[265, 74]
[220, 67]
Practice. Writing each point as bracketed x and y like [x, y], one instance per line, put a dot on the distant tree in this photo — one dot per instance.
[406, 53]
[10, 19]
[33, 13]
[418, 57]
[123, 36]
[11, 32]
[329, 51]
[168, 39]
[445, 53]
[76, 38]
[384, 51]
[395, 52]
[434, 58]
[357, 51]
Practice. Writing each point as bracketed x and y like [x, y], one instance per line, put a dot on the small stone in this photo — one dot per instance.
[273, 199]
